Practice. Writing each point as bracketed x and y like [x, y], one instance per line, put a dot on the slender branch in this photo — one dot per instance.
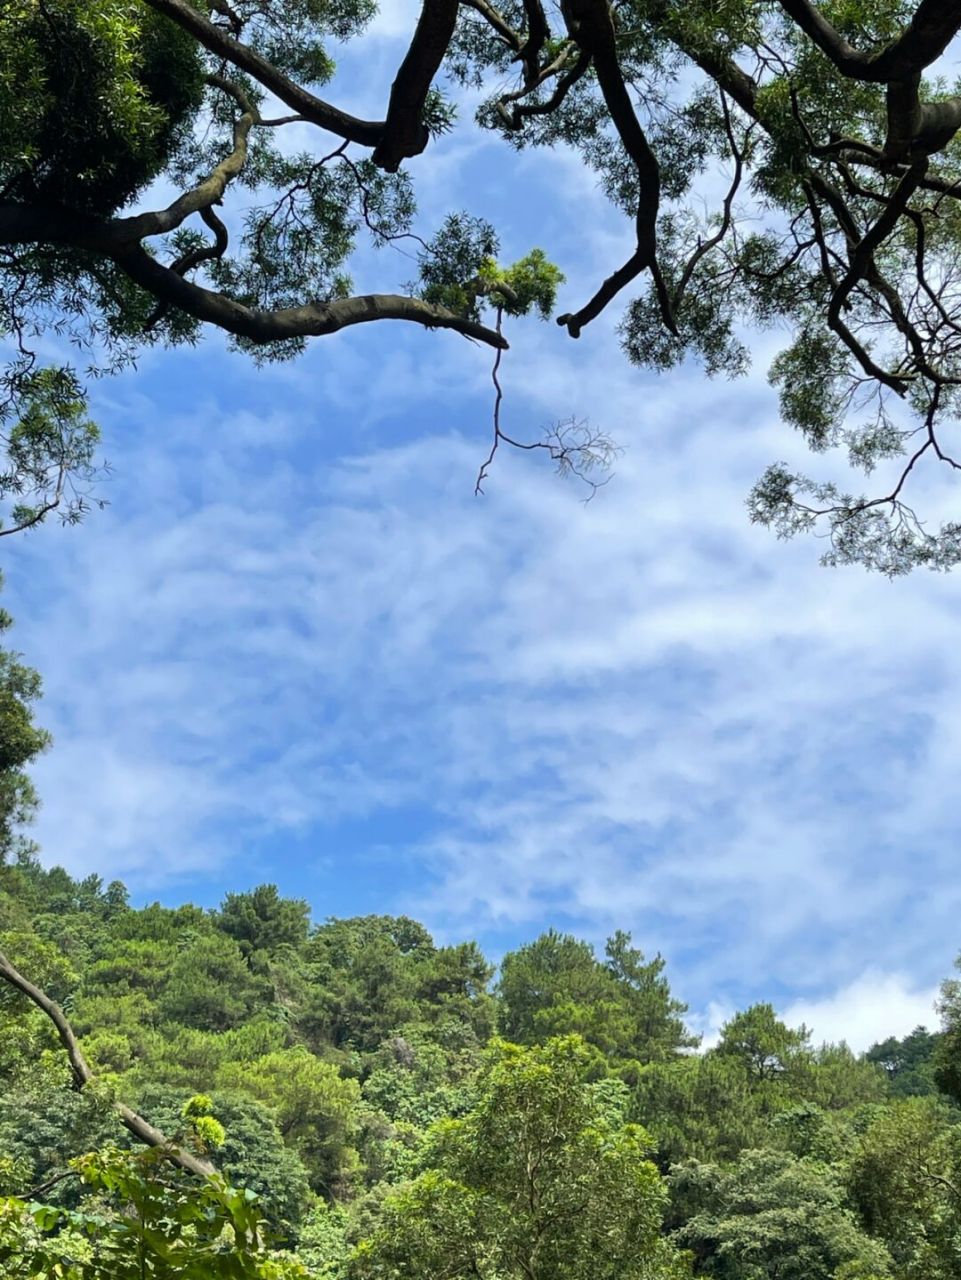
[862, 256]
[82, 1075]
[46, 1186]
[496, 415]
[515, 117]
[705, 246]
[495, 19]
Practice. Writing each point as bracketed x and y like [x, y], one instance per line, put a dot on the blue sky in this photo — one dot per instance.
[296, 647]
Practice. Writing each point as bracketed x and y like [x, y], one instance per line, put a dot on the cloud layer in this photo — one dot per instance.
[297, 647]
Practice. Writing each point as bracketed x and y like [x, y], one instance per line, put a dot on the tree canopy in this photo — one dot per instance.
[784, 164]
[344, 1108]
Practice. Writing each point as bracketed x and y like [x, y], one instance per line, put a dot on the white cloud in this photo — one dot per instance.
[869, 1009]
[640, 713]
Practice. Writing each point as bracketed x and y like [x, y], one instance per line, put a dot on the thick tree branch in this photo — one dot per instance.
[404, 133]
[932, 28]
[208, 192]
[314, 319]
[495, 19]
[20, 224]
[82, 1075]
[224, 45]
[814, 25]
[590, 25]
[537, 35]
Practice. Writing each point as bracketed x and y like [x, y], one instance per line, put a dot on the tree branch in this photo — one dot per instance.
[21, 224]
[590, 25]
[313, 319]
[404, 132]
[82, 1075]
[224, 45]
[932, 28]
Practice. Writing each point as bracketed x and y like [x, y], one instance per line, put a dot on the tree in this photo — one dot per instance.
[947, 1055]
[252, 1153]
[658, 1031]
[766, 1046]
[908, 1063]
[21, 741]
[772, 1216]
[826, 127]
[904, 1178]
[263, 921]
[363, 976]
[210, 987]
[541, 1179]
[313, 1105]
[556, 985]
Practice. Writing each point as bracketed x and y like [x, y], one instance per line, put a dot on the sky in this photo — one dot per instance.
[297, 648]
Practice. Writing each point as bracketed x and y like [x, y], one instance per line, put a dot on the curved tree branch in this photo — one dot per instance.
[312, 319]
[234, 51]
[590, 25]
[404, 133]
[20, 224]
[211, 190]
[82, 1075]
[933, 26]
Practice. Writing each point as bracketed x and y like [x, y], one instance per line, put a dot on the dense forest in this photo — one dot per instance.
[380, 1106]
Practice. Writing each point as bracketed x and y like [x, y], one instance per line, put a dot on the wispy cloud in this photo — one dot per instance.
[296, 645]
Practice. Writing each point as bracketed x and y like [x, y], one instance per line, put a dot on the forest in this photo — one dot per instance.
[374, 1106]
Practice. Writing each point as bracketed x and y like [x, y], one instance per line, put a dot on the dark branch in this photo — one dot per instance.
[932, 28]
[404, 133]
[224, 45]
[589, 23]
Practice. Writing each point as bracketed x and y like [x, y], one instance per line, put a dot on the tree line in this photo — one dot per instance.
[370, 1105]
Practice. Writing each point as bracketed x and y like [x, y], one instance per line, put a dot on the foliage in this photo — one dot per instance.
[903, 1177]
[772, 1215]
[21, 741]
[315, 1109]
[346, 1076]
[540, 1178]
[783, 167]
[622, 1006]
[145, 1223]
[908, 1063]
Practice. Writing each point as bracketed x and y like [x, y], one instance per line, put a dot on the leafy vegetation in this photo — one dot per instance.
[373, 1106]
[784, 165]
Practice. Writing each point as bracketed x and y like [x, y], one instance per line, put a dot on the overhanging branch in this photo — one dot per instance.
[238, 54]
[82, 1074]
